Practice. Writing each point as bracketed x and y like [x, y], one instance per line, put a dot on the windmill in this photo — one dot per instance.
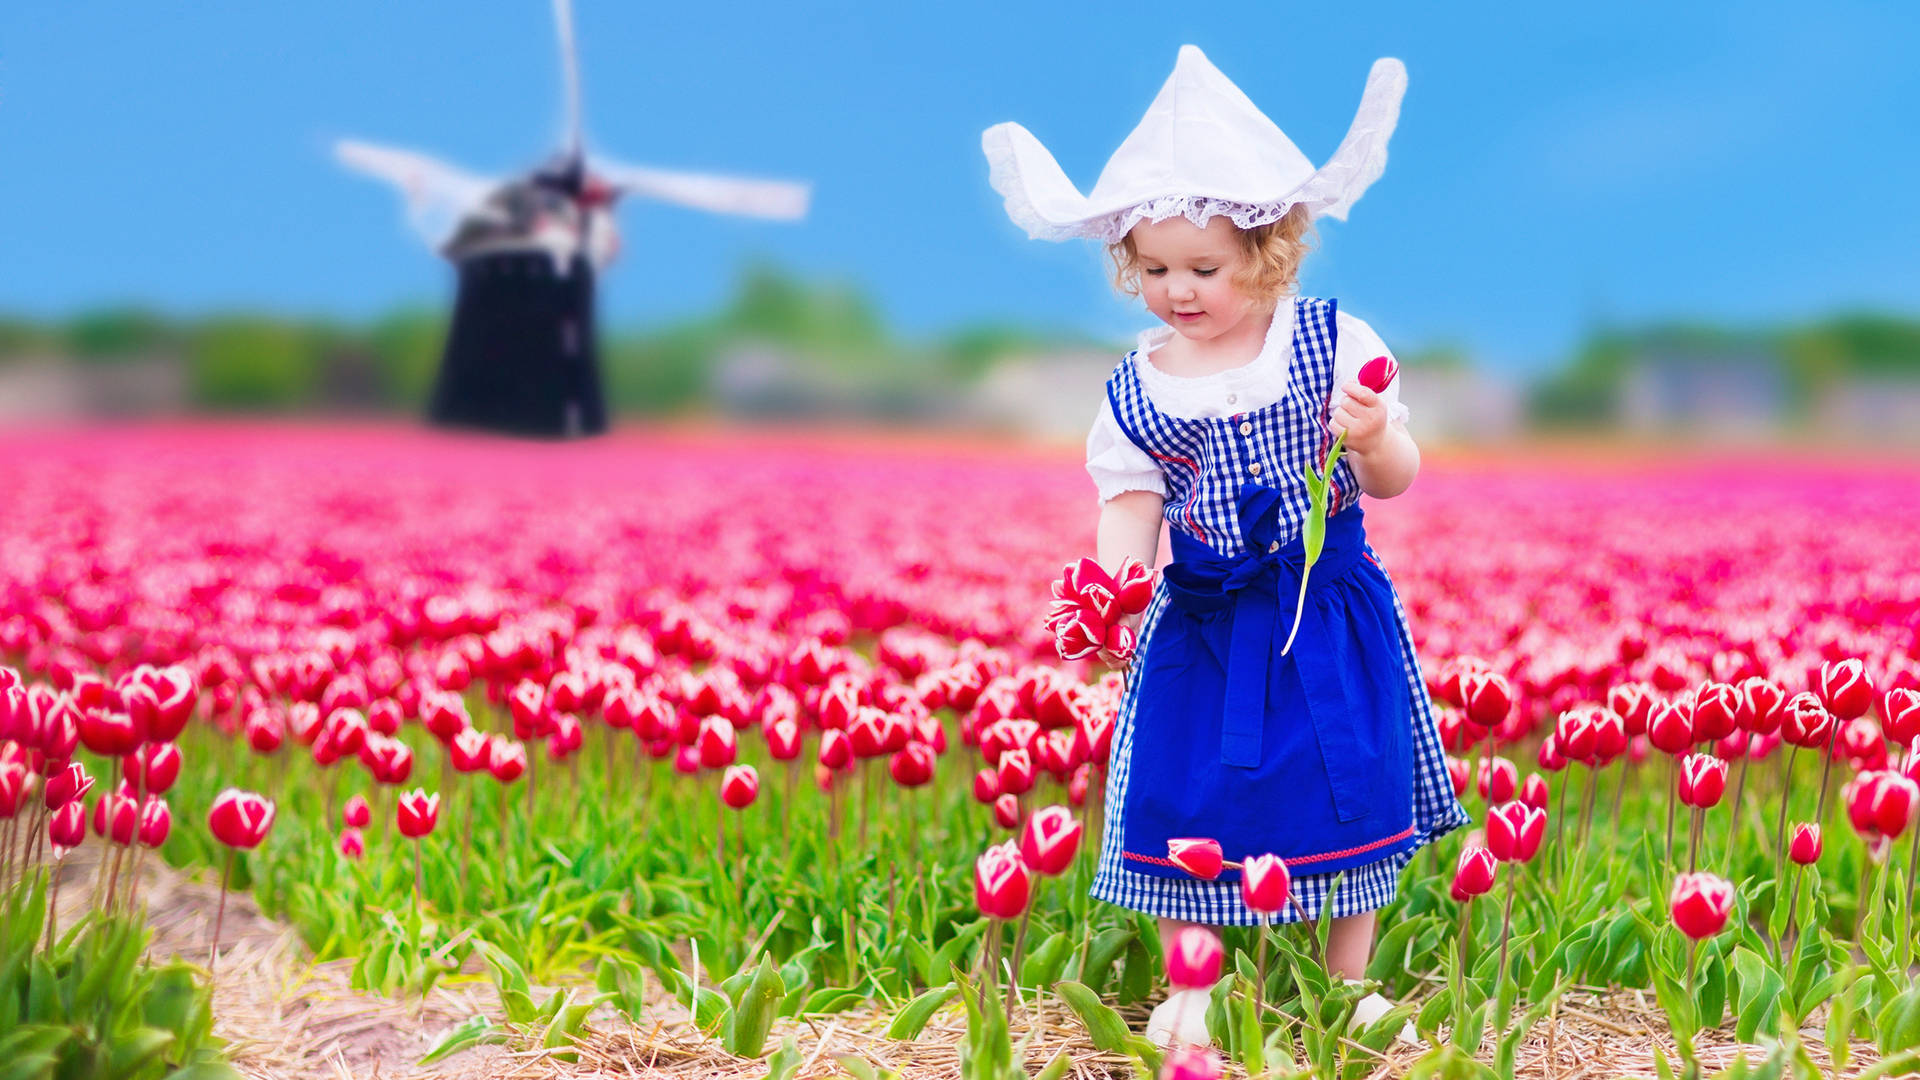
[521, 352]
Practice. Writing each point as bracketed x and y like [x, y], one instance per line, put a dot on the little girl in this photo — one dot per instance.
[1325, 752]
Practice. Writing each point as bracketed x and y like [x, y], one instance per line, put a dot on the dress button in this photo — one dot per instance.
[1254, 468]
[1273, 547]
[1246, 427]
[1231, 398]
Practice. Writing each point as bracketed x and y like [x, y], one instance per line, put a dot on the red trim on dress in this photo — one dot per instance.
[1298, 859]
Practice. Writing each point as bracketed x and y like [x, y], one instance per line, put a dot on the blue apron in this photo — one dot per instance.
[1306, 755]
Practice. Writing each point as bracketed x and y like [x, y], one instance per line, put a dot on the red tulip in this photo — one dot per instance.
[912, 766]
[1001, 884]
[1265, 883]
[1701, 903]
[1487, 697]
[1805, 846]
[240, 819]
[159, 766]
[1077, 785]
[389, 761]
[1197, 856]
[835, 751]
[739, 786]
[353, 845]
[116, 816]
[1633, 703]
[1514, 831]
[1670, 728]
[1859, 744]
[383, 716]
[175, 694]
[305, 722]
[1499, 779]
[1193, 958]
[468, 750]
[356, 813]
[1609, 735]
[1191, 1063]
[1133, 586]
[1703, 780]
[1474, 874]
[1574, 735]
[1716, 711]
[1550, 758]
[1006, 811]
[1460, 771]
[717, 743]
[1900, 714]
[156, 821]
[64, 786]
[528, 704]
[1016, 772]
[1845, 689]
[1378, 373]
[1880, 804]
[986, 786]
[1761, 703]
[16, 783]
[1093, 738]
[1806, 723]
[1535, 792]
[1050, 840]
[417, 813]
[67, 828]
[109, 734]
[783, 739]
[506, 759]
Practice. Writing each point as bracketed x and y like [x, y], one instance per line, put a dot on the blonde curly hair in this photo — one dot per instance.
[1272, 256]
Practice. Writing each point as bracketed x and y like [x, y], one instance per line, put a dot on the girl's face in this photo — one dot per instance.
[1187, 273]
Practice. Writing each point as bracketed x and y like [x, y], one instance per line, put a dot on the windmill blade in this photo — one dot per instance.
[570, 71]
[438, 194]
[778, 199]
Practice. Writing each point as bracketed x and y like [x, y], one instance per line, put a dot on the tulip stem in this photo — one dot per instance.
[1693, 839]
[1260, 966]
[1733, 826]
[1780, 829]
[1019, 943]
[1793, 904]
[1906, 935]
[220, 912]
[1826, 773]
[53, 906]
[1500, 974]
[1313, 931]
[418, 878]
[1673, 786]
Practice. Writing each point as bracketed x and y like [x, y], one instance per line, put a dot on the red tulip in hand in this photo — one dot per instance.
[1378, 373]
[1050, 840]
[1090, 608]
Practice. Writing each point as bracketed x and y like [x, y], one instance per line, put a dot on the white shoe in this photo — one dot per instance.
[1188, 1010]
[1373, 1007]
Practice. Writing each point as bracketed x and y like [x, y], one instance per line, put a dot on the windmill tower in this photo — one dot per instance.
[521, 354]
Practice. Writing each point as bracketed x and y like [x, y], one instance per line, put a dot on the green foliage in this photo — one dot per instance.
[253, 362]
[93, 1007]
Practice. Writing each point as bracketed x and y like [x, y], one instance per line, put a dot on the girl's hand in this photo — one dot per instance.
[1363, 416]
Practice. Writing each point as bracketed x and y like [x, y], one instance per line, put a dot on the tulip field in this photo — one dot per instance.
[754, 737]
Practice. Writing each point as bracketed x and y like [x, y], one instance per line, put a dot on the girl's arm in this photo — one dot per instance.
[1384, 457]
[1129, 525]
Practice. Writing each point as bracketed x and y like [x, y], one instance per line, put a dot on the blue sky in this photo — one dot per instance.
[1556, 165]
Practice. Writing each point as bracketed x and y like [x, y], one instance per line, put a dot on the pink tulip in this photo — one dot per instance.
[1806, 723]
[1191, 1063]
[1499, 779]
[1845, 690]
[1703, 780]
[240, 819]
[356, 813]
[1378, 373]
[417, 813]
[1880, 803]
[1514, 831]
[1475, 872]
[353, 844]
[1006, 811]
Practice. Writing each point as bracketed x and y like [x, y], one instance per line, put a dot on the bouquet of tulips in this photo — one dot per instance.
[1090, 608]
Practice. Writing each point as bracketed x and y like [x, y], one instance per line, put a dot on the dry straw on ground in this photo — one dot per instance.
[286, 1018]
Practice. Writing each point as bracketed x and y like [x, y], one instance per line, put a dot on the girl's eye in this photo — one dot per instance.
[1156, 271]
[1207, 272]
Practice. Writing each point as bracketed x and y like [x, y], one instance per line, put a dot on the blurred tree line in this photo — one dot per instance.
[1807, 361]
[264, 362]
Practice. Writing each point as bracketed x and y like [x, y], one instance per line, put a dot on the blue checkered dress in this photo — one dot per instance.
[1206, 462]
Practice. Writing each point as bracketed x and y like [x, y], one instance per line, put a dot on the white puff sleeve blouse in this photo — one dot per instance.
[1117, 464]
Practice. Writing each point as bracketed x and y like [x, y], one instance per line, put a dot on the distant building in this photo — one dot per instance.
[1871, 408]
[1708, 390]
[35, 389]
[1460, 404]
[1053, 396]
